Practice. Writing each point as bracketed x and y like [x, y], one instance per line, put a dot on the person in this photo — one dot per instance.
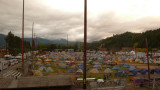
[104, 77]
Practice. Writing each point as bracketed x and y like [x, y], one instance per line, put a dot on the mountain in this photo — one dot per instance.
[38, 40]
[2, 41]
[46, 41]
[129, 39]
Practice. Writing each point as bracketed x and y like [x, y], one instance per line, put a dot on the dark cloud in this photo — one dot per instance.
[55, 23]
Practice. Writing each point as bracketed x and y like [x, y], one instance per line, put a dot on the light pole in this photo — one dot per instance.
[85, 44]
[22, 36]
[32, 40]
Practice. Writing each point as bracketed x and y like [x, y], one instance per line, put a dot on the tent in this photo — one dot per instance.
[71, 70]
[132, 68]
[97, 66]
[135, 71]
[62, 59]
[143, 71]
[38, 63]
[121, 64]
[54, 60]
[120, 72]
[94, 71]
[37, 73]
[74, 66]
[108, 70]
[126, 66]
[49, 69]
[42, 68]
[108, 66]
[63, 66]
[79, 71]
[116, 67]
[157, 70]
[48, 64]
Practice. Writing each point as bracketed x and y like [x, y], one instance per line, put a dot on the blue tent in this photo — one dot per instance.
[135, 71]
[116, 67]
[49, 69]
[132, 68]
[126, 65]
[120, 72]
[48, 64]
[63, 66]
[80, 67]
[157, 70]
[121, 64]
[71, 70]
[143, 71]
[123, 59]
[62, 59]
[54, 61]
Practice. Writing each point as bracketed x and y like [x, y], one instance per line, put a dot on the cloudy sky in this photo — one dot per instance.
[54, 19]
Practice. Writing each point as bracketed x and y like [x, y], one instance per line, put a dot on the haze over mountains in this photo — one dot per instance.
[38, 40]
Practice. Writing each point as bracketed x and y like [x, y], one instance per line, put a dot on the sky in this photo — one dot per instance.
[54, 19]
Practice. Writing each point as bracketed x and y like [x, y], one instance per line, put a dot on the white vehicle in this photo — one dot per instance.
[3, 65]
[8, 57]
[18, 57]
[11, 62]
[15, 61]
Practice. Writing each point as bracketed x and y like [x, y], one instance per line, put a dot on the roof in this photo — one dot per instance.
[33, 82]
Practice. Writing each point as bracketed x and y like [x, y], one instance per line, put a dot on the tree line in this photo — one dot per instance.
[14, 44]
[128, 39]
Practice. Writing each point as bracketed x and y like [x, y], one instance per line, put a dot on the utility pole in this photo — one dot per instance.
[32, 40]
[148, 60]
[151, 43]
[22, 36]
[85, 44]
[67, 42]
